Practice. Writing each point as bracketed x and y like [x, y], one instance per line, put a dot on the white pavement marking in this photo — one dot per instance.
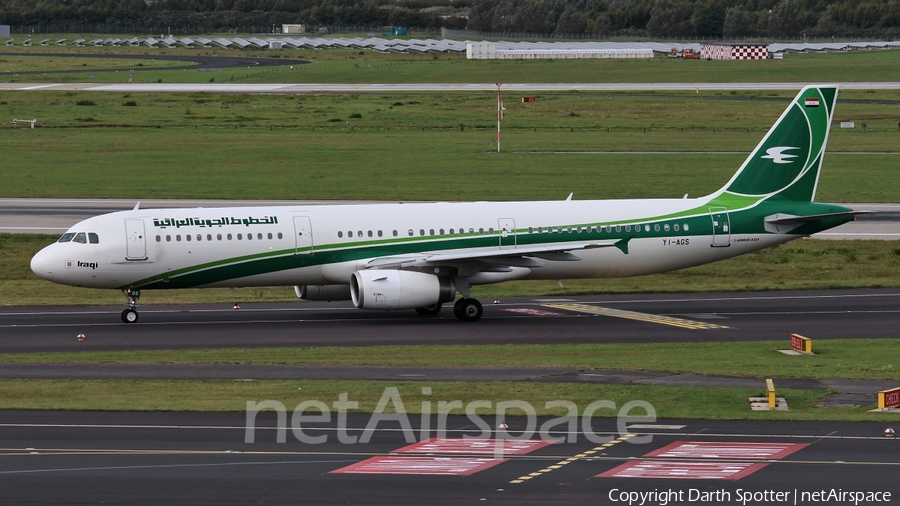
[726, 450]
[439, 466]
[683, 470]
[164, 466]
[474, 446]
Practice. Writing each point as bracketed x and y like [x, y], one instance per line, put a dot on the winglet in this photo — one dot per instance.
[622, 244]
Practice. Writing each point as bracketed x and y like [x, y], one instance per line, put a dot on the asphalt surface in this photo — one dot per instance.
[439, 87]
[54, 216]
[201, 61]
[202, 458]
[704, 317]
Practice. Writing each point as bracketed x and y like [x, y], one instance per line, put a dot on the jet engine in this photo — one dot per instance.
[391, 289]
[323, 292]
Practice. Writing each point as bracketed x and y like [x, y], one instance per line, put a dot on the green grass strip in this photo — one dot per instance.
[872, 359]
[669, 402]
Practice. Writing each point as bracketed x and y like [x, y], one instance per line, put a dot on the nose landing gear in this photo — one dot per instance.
[130, 315]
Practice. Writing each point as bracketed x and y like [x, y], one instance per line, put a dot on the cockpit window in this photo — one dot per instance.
[92, 237]
[80, 237]
[66, 237]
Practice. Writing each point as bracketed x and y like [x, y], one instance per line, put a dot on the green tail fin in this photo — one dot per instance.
[787, 162]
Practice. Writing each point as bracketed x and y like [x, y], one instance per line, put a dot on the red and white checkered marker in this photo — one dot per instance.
[889, 432]
[236, 306]
[81, 338]
[503, 426]
[496, 301]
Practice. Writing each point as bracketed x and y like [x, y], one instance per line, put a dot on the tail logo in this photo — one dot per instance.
[778, 155]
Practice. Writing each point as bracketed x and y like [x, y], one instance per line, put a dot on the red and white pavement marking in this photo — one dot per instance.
[474, 446]
[436, 466]
[531, 311]
[726, 450]
[683, 470]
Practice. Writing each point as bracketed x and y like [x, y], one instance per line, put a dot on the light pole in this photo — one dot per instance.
[499, 114]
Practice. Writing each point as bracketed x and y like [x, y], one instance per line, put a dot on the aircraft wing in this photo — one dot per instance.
[513, 257]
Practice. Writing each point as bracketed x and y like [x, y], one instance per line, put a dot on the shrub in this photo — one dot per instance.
[85, 102]
[130, 103]
[356, 115]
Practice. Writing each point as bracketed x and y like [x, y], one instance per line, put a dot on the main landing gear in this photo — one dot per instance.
[130, 315]
[468, 309]
[465, 309]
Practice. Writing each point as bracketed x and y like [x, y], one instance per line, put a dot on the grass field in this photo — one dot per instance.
[864, 359]
[669, 402]
[365, 66]
[355, 146]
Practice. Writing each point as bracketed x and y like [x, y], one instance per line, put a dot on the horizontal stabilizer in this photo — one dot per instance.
[782, 223]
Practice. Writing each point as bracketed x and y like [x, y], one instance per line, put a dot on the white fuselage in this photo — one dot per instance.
[325, 244]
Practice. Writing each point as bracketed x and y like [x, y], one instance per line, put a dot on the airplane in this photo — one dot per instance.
[419, 256]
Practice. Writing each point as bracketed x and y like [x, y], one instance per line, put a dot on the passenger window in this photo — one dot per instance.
[249, 237]
[656, 227]
[410, 232]
[218, 237]
[559, 230]
[646, 228]
[422, 231]
[628, 228]
[451, 231]
[340, 234]
[259, 236]
[158, 238]
[93, 238]
[199, 237]
[80, 238]
[279, 235]
[618, 228]
[270, 235]
[686, 227]
[676, 227]
[530, 230]
[481, 231]
[472, 231]
[608, 229]
[67, 237]
[349, 233]
[379, 233]
[666, 227]
[395, 233]
[431, 232]
[239, 237]
[209, 237]
[491, 230]
[228, 237]
[178, 238]
[168, 238]
[359, 233]
[370, 233]
[442, 231]
[187, 237]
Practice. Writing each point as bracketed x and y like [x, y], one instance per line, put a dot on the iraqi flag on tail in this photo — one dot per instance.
[812, 102]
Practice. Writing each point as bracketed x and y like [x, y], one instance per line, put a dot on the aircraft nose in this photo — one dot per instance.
[42, 264]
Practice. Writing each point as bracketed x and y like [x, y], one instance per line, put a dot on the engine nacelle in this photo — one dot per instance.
[389, 289]
[323, 292]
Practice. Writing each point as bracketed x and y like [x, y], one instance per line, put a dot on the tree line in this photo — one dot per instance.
[645, 18]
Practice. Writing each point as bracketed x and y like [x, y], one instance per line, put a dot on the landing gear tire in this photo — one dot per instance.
[129, 316]
[429, 310]
[468, 310]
